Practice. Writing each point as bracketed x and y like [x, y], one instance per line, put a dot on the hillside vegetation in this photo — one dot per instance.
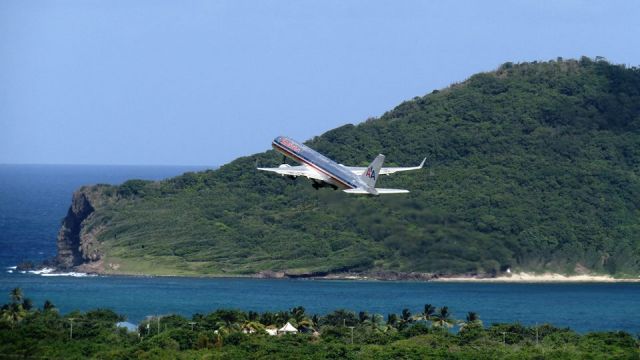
[535, 166]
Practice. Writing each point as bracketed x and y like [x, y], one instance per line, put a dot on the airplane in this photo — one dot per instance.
[326, 172]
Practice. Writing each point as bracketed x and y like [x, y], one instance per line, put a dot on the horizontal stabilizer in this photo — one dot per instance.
[391, 191]
[357, 191]
[378, 191]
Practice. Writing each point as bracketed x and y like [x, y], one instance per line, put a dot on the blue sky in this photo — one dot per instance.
[203, 82]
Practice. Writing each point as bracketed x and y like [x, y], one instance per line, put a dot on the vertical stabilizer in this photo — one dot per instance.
[370, 176]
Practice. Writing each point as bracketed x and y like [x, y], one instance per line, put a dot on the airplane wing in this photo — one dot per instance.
[386, 170]
[300, 170]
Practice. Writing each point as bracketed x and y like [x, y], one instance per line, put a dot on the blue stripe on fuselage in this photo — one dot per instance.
[314, 159]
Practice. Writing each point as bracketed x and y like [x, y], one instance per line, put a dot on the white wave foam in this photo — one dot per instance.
[72, 274]
[42, 271]
[47, 272]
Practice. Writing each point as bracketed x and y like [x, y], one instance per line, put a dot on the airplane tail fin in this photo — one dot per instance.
[370, 176]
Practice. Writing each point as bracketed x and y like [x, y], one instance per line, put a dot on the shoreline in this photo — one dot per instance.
[521, 277]
[524, 278]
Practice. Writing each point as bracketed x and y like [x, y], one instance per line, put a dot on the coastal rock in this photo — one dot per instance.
[385, 275]
[76, 245]
[25, 266]
[268, 274]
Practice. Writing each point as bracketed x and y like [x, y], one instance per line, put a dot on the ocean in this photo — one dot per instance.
[35, 198]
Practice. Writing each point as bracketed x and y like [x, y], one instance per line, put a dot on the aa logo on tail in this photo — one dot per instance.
[371, 173]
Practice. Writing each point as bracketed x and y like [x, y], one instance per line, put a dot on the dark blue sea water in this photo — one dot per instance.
[34, 199]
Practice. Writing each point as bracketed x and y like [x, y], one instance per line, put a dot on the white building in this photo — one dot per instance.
[287, 329]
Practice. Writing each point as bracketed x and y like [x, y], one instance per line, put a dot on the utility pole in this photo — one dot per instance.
[192, 322]
[158, 318]
[537, 334]
[504, 338]
[351, 327]
[71, 329]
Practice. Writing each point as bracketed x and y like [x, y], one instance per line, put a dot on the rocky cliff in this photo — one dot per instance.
[77, 243]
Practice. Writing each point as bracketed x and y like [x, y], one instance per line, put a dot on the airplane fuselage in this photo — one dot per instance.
[332, 172]
[326, 172]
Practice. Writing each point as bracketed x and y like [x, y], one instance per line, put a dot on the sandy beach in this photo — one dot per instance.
[524, 277]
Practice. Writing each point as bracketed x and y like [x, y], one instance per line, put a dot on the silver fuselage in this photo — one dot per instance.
[335, 173]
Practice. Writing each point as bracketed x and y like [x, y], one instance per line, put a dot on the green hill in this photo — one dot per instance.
[535, 166]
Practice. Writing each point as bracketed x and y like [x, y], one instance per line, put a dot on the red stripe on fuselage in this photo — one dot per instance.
[287, 152]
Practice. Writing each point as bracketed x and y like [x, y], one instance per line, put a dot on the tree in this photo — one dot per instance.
[443, 318]
[16, 295]
[363, 317]
[377, 323]
[299, 317]
[405, 319]
[230, 317]
[428, 312]
[282, 317]
[14, 313]
[339, 317]
[268, 318]
[253, 316]
[406, 315]
[224, 320]
[472, 319]
[252, 326]
[48, 306]
[27, 304]
[392, 319]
